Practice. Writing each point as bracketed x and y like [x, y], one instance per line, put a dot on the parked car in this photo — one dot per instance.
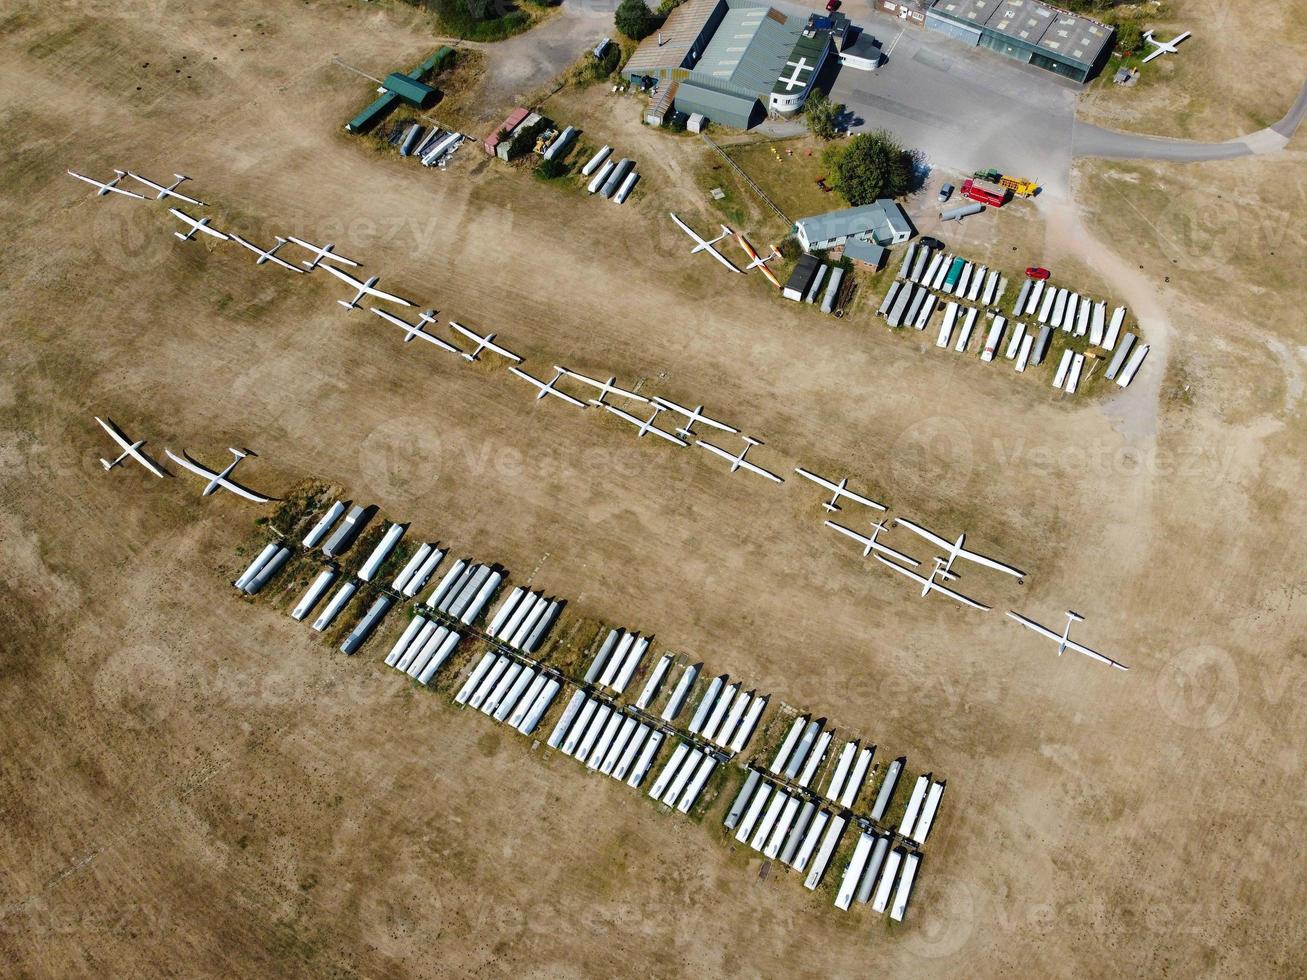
[1035, 272]
[832, 5]
[945, 193]
[930, 242]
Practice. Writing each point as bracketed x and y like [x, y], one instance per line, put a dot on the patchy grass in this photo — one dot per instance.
[788, 171]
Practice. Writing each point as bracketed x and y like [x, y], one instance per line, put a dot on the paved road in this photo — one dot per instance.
[1094, 141]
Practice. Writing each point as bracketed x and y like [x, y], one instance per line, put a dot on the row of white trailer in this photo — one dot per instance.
[610, 179]
[872, 859]
[524, 619]
[684, 776]
[931, 268]
[423, 648]
[260, 571]
[432, 147]
[606, 738]
[727, 715]
[1060, 308]
[510, 691]
[616, 662]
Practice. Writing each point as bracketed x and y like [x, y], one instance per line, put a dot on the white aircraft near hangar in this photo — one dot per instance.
[169, 191]
[483, 342]
[929, 585]
[130, 450]
[955, 550]
[839, 490]
[1063, 641]
[705, 244]
[646, 425]
[692, 415]
[739, 462]
[196, 225]
[1162, 47]
[320, 252]
[870, 544]
[414, 330]
[547, 387]
[107, 187]
[605, 388]
[268, 254]
[367, 288]
[218, 481]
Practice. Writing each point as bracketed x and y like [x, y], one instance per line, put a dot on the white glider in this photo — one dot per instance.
[1062, 640]
[547, 387]
[955, 550]
[107, 187]
[645, 425]
[739, 462]
[870, 544]
[415, 329]
[130, 450]
[929, 585]
[608, 387]
[839, 490]
[483, 342]
[705, 244]
[692, 415]
[364, 288]
[320, 253]
[201, 225]
[169, 191]
[217, 480]
[1163, 47]
[268, 254]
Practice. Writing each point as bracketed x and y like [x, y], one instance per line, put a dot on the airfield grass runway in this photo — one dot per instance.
[193, 784]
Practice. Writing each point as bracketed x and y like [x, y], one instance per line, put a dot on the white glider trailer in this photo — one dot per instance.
[320, 529]
[311, 595]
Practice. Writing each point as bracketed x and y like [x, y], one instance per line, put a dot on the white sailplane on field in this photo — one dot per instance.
[929, 585]
[1162, 47]
[414, 330]
[483, 342]
[954, 550]
[547, 387]
[870, 544]
[645, 425]
[108, 186]
[218, 481]
[268, 254]
[320, 252]
[692, 415]
[705, 244]
[839, 490]
[201, 225]
[738, 462]
[162, 191]
[130, 450]
[367, 288]
[1063, 640]
[609, 387]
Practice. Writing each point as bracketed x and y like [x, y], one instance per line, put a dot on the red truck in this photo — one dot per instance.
[985, 192]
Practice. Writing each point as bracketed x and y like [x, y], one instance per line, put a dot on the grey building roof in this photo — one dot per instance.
[672, 45]
[864, 251]
[882, 220]
[1055, 32]
[749, 48]
[717, 102]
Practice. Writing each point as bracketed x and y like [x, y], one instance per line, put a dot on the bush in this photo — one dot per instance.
[822, 115]
[1129, 38]
[551, 169]
[635, 19]
[524, 140]
[870, 166]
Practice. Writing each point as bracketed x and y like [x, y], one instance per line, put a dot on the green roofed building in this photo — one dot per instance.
[734, 61]
[407, 87]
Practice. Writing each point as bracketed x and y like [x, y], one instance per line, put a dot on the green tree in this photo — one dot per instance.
[822, 115]
[1129, 39]
[870, 166]
[635, 19]
[480, 9]
[551, 169]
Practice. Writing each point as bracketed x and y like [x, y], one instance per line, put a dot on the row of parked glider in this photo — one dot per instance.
[324, 257]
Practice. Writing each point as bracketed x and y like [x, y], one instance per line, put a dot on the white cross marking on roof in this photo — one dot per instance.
[795, 81]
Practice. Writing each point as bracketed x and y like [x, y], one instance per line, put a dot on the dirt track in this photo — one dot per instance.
[193, 784]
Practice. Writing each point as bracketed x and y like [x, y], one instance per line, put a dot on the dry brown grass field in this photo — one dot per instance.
[194, 784]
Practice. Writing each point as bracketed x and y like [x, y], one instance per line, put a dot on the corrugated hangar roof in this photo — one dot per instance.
[667, 47]
[972, 11]
[1025, 20]
[749, 48]
[1075, 37]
